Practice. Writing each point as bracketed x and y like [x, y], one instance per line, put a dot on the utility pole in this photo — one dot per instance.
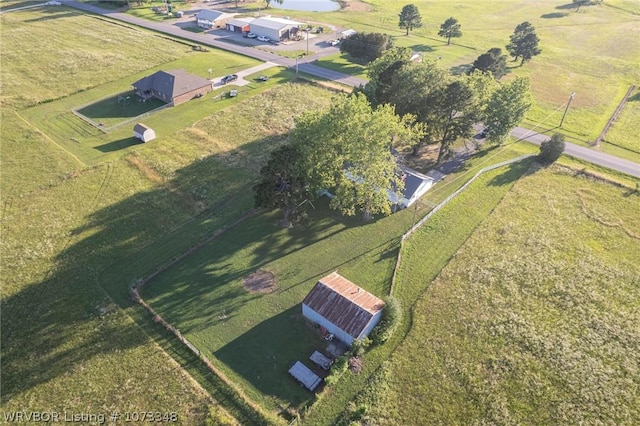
[567, 108]
[307, 30]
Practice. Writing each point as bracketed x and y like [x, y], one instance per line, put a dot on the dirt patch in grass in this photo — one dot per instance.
[355, 6]
[260, 281]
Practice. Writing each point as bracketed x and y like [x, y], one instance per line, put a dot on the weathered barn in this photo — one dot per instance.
[305, 376]
[345, 310]
[212, 19]
[175, 86]
[143, 132]
[274, 28]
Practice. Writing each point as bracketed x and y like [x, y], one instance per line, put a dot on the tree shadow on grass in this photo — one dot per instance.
[461, 69]
[53, 327]
[53, 14]
[554, 15]
[423, 48]
[119, 144]
[263, 355]
[512, 172]
[566, 6]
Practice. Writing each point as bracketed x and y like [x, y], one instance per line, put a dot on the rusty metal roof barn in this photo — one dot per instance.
[344, 305]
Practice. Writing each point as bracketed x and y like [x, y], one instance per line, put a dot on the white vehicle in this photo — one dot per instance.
[263, 38]
[334, 42]
[53, 3]
[251, 35]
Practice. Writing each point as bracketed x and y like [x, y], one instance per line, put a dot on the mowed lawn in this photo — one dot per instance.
[91, 145]
[255, 338]
[535, 318]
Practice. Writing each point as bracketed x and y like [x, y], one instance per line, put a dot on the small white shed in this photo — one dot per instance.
[143, 132]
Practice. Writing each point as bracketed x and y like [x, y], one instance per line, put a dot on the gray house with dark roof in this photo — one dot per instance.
[415, 185]
[173, 87]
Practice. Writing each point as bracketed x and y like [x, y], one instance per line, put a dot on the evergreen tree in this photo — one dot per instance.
[450, 29]
[410, 18]
[524, 43]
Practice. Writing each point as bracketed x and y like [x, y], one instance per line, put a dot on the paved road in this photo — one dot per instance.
[580, 152]
[305, 65]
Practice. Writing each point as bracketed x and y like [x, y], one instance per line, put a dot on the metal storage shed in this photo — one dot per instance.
[345, 310]
[305, 376]
[273, 28]
[143, 132]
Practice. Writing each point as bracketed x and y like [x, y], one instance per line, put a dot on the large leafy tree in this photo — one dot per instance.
[348, 150]
[366, 46]
[524, 43]
[506, 108]
[283, 184]
[446, 106]
[410, 18]
[416, 90]
[450, 29]
[456, 115]
[493, 61]
[382, 73]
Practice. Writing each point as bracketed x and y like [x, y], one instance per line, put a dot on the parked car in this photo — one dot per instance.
[484, 133]
[251, 35]
[263, 38]
[263, 78]
[229, 78]
[334, 42]
[274, 42]
[233, 93]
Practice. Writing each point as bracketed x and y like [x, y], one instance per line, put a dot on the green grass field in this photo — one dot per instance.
[533, 320]
[85, 214]
[593, 52]
[624, 131]
[75, 237]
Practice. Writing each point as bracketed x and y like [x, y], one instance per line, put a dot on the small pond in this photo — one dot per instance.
[308, 5]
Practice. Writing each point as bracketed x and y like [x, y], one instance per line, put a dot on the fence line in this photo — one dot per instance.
[614, 116]
[134, 291]
[442, 204]
[77, 113]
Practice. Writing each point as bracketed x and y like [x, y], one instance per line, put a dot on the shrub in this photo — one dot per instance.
[337, 370]
[359, 346]
[366, 46]
[551, 149]
[391, 317]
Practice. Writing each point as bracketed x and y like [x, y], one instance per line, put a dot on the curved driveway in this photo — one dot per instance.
[305, 65]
